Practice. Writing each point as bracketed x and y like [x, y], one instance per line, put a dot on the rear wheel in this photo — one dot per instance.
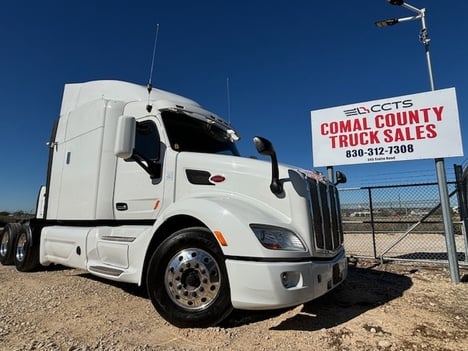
[187, 280]
[26, 251]
[7, 240]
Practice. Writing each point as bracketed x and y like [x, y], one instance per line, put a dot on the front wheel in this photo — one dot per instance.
[187, 280]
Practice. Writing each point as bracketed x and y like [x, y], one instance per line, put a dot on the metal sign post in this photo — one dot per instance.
[439, 162]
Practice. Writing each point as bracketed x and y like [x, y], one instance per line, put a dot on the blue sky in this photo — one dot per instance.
[283, 59]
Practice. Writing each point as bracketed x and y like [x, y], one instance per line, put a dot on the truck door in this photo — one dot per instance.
[137, 195]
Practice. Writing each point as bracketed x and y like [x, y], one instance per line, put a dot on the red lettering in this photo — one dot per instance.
[399, 135]
[388, 135]
[401, 118]
[343, 140]
[431, 131]
[425, 112]
[390, 120]
[378, 121]
[374, 139]
[345, 126]
[354, 139]
[408, 134]
[413, 116]
[363, 140]
[323, 129]
[359, 124]
[438, 112]
[420, 132]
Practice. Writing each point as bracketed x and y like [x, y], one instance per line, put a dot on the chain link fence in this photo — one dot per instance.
[403, 222]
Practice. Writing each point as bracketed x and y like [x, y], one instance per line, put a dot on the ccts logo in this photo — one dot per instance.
[386, 106]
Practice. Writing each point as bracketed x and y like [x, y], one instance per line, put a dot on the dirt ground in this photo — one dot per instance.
[379, 307]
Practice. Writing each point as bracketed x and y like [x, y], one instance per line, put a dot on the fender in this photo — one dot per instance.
[232, 215]
[229, 215]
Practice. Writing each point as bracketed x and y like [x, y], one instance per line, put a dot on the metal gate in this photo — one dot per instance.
[404, 222]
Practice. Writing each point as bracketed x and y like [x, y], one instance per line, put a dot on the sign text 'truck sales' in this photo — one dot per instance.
[410, 127]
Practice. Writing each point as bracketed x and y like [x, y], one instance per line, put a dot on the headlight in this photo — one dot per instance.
[276, 238]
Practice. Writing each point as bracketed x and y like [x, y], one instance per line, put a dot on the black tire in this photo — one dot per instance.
[26, 251]
[7, 240]
[187, 280]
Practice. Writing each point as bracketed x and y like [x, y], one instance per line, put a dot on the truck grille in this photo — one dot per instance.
[326, 216]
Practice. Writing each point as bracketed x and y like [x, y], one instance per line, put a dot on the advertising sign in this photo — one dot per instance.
[409, 127]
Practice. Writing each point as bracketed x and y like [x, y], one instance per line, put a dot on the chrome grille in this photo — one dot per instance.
[325, 212]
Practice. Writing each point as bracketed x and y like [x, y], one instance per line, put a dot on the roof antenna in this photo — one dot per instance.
[149, 107]
[228, 100]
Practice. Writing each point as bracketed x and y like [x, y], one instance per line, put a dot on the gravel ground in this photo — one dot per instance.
[379, 307]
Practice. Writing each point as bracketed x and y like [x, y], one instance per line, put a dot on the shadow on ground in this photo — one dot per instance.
[363, 290]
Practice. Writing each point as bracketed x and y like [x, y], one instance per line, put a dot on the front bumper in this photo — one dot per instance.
[264, 285]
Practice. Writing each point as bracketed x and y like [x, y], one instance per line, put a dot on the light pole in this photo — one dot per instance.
[439, 162]
[423, 36]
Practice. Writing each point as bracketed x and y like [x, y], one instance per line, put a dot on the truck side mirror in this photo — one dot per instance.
[340, 178]
[265, 147]
[125, 137]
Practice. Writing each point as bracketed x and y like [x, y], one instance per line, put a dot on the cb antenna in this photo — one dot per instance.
[228, 96]
[149, 107]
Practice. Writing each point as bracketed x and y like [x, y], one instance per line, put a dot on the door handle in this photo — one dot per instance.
[121, 206]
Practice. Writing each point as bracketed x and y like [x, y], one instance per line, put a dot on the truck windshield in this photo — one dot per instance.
[191, 134]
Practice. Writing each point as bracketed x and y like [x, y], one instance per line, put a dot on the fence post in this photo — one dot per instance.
[462, 204]
[448, 225]
[371, 209]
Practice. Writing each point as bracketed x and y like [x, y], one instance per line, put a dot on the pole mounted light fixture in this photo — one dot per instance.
[439, 162]
[387, 22]
[420, 13]
[423, 35]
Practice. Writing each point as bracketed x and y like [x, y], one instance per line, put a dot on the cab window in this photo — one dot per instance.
[147, 141]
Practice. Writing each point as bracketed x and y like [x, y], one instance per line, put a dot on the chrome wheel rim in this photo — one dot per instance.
[4, 244]
[193, 279]
[22, 240]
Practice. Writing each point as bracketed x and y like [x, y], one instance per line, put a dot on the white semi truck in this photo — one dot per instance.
[146, 187]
